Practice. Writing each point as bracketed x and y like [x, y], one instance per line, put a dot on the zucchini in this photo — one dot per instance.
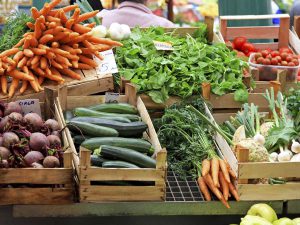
[78, 139]
[132, 129]
[89, 112]
[92, 129]
[128, 155]
[118, 164]
[68, 115]
[118, 119]
[131, 143]
[122, 108]
[97, 160]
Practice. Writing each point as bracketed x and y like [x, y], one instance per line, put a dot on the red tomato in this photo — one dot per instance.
[295, 57]
[260, 60]
[248, 47]
[240, 54]
[264, 53]
[267, 62]
[269, 57]
[283, 55]
[258, 55]
[239, 42]
[286, 50]
[274, 53]
[289, 58]
[291, 64]
[284, 63]
[269, 50]
[278, 59]
[274, 61]
[296, 62]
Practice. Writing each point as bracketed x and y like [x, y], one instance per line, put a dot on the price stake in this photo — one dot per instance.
[30, 106]
[108, 64]
[166, 46]
[111, 97]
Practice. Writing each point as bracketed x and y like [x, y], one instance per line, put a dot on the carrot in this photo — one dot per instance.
[33, 42]
[89, 45]
[55, 72]
[63, 17]
[43, 27]
[91, 25]
[76, 15]
[75, 64]
[20, 75]
[60, 36]
[9, 61]
[224, 169]
[205, 167]
[4, 84]
[87, 60]
[22, 62]
[46, 38]
[30, 25]
[234, 192]
[231, 173]
[27, 42]
[40, 72]
[74, 35]
[54, 3]
[4, 66]
[76, 45]
[81, 29]
[35, 13]
[13, 87]
[69, 23]
[70, 73]
[28, 53]
[104, 41]
[68, 8]
[224, 184]
[41, 80]
[215, 167]
[84, 66]
[24, 86]
[203, 188]
[37, 29]
[41, 46]
[102, 47]
[50, 55]
[62, 60]
[53, 19]
[44, 11]
[209, 182]
[9, 52]
[56, 65]
[72, 57]
[55, 45]
[33, 83]
[20, 43]
[1, 71]
[99, 56]
[60, 52]
[87, 16]
[38, 51]
[58, 29]
[80, 38]
[52, 25]
[10, 68]
[69, 49]
[29, 61]
[50, 76]
[43, 63]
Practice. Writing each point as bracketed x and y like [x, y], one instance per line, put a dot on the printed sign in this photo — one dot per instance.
[108, 64]
[166, 46]
[30, 106]
[111, 97]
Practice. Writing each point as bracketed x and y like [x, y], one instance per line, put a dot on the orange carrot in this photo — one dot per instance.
[87, 16]
[224, 185]
[44, 11]
[55, 45]
[24, 86]
[20, 43]
[75, 15]
[101, 47]
[37, 29]
[43, 63]
[74, 35]
[234, 192]
[9, 52]
[46, 38]
[1, 71]
[75, 64]
[87, 61]
[56, 65]
[35, 59]
[89, 45]
[81, 38]
[39, 71]
[69, 23]
[27, 42]
[60, 51]
[29, 61]
[81, 29]
[10, 68]
[205, 167]
[62, 60]
[224, 169]
[54, 3]
[41, 80]
[84, 66]
[43, 47]
[104, 41]
[66, 9]
[231, 173]
[55, 72]
[72, 57]
[69, 49]
[53, 19]
[91, 25]
[28, 53]
[50, 76]
[9, 61]
[3, 84]
[33, 42]
[30, 25]
[52, 25]
[70, 73]
[13, 87]
[38, 51]
[99, 56]
[20, 75]
[35, 13]
[50, 55]
[204, 189]
[215, 167]
[22, 63]
[58, 29]
[60, 36]
[63, 17]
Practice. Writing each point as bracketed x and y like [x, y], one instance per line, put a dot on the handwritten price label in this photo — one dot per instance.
[111, 97]
[30, 106]
[108, 64]
[166, 46]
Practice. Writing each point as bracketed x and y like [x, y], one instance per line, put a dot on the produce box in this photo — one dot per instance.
[155, 188]
[40, 185]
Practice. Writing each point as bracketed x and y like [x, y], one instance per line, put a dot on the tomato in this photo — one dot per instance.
[264, 53]
[239, 42]
[274, 53]
[240, 54]
[269, 50]
[257, 55]
[260, 60]
[291, 64]
[296, 62]
[284, 63]
[274, 61]
[295, 57]
[278, 59]
[267, 62]
[289, 58]
[269, 57]
[248, 47]
[283, 55]
[286, 50]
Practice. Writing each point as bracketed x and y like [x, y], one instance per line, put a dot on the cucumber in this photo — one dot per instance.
[128, 155]
[68, 115]
[122, 108]
[78, 139]
[92, 129]
[132, 129]
[118, 164]
[118, 119]
[131, 143]
[89, 112]
[97, 160]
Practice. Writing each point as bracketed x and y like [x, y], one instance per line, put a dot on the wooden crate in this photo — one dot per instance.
[88, 173]
[54, 185]
[256, 170]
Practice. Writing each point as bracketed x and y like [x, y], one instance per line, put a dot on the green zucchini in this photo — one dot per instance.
[118, 164]
[132, 129]
[78, 139]
[89, 112]
[118, 119]
[131, 143]
[127, 155]
[97, 160]
[68, 115]
[122, 108]
[92, 129]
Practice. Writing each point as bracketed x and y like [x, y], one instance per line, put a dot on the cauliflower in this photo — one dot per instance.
[265, 127]
[257, 153]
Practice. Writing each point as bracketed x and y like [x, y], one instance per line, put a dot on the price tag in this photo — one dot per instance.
[30, 106]
[111, 97]
[108, 64]
[166, 46]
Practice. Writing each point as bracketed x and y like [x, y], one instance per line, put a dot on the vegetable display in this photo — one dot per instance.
[182, 71]
[56, 45]
[28, 141]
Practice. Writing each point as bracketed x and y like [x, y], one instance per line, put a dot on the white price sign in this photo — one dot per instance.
[111, 97]
[108, 64]
[166, 46]
[30, 106]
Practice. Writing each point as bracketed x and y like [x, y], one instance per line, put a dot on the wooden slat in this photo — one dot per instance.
[272, 46]
[150, 104]
[254, 17]
[266, 192]
[268, 169]
[109, 174]
[36, 176]
[262, 86]
[222, 117]
[35, 196]
[283, 37]
[254, 32]
[294, 42]
[120, 193]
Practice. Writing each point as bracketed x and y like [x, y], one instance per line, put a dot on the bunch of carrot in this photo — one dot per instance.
[217, 176]
[56, 45]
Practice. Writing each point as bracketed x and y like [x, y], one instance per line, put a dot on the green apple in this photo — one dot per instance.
[284, 221]
[254, 220]
[263, 210]
[297, 221]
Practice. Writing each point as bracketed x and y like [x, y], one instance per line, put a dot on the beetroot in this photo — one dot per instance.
[12, 107]
[16, 117]
[10, 138]
[34, 121]
[37, 165]
[4, 153]
[56, 133]
[3, 123]
[4, 163]
[54, 141]
[1, 141]
[52, 124]
[51, 162]
[32, 157]
[38, 141]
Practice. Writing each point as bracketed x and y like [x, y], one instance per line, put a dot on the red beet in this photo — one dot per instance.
[51, 162]
[3, 123]
[52, 124]
[54, 141]
[4, 153]
[1, 141]
[33, 156]
[38, 141]
[37, 165]
[17, 117]
[12, 107]
[4, 163]
[10, 138]
[34, 121]
[56, 133]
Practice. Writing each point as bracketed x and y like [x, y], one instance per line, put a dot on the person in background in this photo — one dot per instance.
[295, 11]
[133, 13]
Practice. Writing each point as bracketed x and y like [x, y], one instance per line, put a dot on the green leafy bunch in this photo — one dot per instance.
[293, 105]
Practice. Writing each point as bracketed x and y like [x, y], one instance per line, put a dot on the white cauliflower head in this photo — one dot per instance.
[257, 152]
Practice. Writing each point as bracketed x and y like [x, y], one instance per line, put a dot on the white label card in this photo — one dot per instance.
[111, 97]
[166, 46]
[30, 106]
[108, 64]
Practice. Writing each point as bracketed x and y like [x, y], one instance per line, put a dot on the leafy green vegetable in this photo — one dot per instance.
[241, 95]
[293, 105]
[13, 30]
[179, 72]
